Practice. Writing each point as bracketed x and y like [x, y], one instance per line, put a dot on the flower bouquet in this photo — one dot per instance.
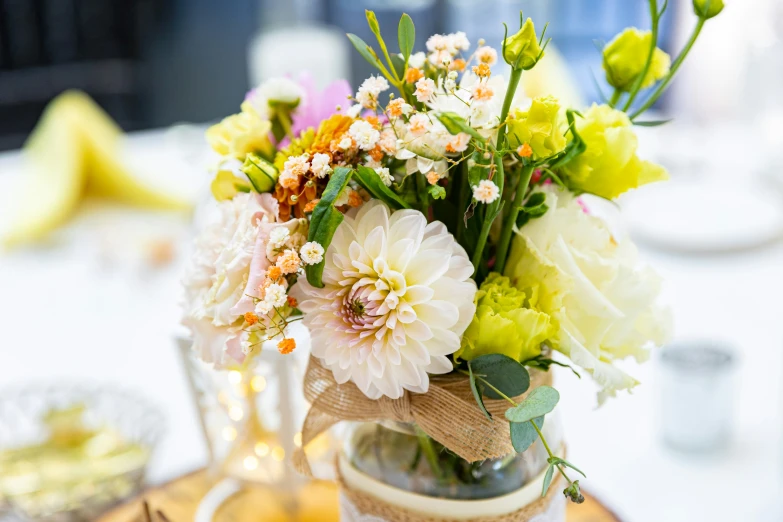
[441, 243]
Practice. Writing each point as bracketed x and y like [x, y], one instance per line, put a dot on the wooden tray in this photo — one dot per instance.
[179, 499]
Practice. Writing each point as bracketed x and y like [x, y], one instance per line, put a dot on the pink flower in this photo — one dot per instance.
[316, 105]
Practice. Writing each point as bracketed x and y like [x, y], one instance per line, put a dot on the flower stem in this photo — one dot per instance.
[615, 97]
[463, 201]
[425, 442]
[492, 212]
[549, 452]
[513, 83]
[511, 219]
[637, 84]
[675, 66]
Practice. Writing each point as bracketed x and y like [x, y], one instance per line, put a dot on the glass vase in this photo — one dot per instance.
[250, 416]
[400, 465]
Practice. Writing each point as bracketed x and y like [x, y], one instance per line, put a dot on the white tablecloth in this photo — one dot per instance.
[87, 308]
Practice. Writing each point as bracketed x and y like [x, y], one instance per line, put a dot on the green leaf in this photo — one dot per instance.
[479, 170]
[502, 372]
[406, 36]
[523, 434]
[557, 461]
[437, 192]
[547, 479]
[474, 387]
[533, 208]
[398, 64]
[325, 220]
[575, 147]
[455, 124]
[541, 401]
[544, 363]
[370, 180]
[364, 49]
[655, 123]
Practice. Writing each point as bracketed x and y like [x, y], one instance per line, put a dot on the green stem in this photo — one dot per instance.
[616, 95]
[511, 219]
[493, 211]
[425, 442]
[549, 452]
[637, 84]
[513, 83]
[463, 201]
[675, 66]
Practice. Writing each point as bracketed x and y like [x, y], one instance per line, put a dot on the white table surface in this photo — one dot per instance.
[86, 309]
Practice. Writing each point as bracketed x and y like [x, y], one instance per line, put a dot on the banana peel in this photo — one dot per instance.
[74, 153]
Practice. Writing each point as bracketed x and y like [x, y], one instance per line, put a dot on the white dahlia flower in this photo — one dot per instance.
[601, 299]
[397, 297]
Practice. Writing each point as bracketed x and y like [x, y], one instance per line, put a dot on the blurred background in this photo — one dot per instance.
[97, 301]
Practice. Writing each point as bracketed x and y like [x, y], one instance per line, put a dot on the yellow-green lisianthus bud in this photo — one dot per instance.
[626, 56]
[707, 8]
[261, 173]
[610, 165]
[522, 50]
[541, 127]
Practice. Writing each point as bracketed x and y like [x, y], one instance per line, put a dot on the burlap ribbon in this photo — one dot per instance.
[447, 412]
[367, 504]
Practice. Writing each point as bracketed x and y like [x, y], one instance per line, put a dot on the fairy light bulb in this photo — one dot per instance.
[229, 433]
[234, 377]
[236, 413]
[250, 462]
[258, 383]
[262, 449]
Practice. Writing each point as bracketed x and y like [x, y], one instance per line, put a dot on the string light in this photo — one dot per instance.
[258, 383]
[250, 462]
[298, 439]
[262, 449]
[278, 454]
[229, 433]
[236, 413]
[234, 377]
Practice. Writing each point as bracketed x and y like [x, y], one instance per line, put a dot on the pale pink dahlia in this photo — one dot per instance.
[397, 297]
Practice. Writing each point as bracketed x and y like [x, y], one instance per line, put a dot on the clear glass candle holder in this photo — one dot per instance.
[696, 396]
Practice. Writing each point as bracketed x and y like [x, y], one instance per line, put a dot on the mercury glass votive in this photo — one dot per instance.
[696, 396]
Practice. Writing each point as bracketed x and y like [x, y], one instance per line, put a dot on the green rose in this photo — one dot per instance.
[626, 56]
[540, 127]
[503, 323]
[707, 8]
[522, 50]
[610, 165]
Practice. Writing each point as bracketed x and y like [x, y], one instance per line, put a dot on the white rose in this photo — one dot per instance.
[600, 298]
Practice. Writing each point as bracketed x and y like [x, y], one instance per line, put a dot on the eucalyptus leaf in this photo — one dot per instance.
[455, 124]
[325, 220]
[655, 123]
[364, 49]
[371, 181]
[555, 461]
[406, 36]
[540, 401]
[523, 434]
[503, 373]
[547, 480]
[476, 389]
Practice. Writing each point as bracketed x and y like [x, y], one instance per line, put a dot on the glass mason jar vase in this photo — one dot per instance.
[402, 466]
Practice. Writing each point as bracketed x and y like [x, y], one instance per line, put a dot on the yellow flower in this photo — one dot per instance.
[226, 185]
[523, 46]
[504, 323]
[297, 147]
[707, 8]
[610, 165]
[626, 56]
[540, 127]
[240, 134]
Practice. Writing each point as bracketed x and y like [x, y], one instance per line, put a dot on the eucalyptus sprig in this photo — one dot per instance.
[497, 376]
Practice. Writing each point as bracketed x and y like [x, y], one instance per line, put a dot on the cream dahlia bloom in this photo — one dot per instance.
[602, 301]
[397, 297]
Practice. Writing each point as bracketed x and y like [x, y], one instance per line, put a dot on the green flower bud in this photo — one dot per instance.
[523, 50]
[261, 173]
[707, 8]
[573, 493]
[626, 56]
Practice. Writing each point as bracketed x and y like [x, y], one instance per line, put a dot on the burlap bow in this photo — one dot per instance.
[447, 412]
